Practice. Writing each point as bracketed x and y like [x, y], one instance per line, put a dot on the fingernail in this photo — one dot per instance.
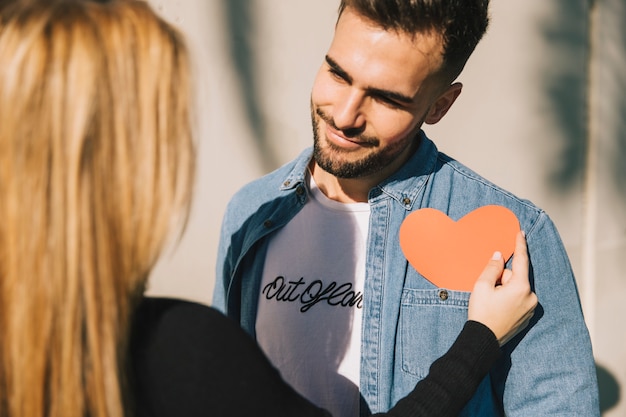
[496, 256]
[523, 233]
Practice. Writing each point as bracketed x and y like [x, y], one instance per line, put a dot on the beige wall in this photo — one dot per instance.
[542, 114]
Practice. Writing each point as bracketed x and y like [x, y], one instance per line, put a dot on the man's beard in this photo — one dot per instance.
[328, 157]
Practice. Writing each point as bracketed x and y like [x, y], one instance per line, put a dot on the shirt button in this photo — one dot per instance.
[268, 224]
[286, 183]
[443, 295]
[300, 190]
[406, 201]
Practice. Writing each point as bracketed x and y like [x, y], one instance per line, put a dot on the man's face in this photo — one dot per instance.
[371, 96]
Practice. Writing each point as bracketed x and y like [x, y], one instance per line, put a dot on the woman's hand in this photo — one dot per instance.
[502, 299]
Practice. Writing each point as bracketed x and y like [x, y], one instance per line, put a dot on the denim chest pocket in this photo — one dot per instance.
[430, 321]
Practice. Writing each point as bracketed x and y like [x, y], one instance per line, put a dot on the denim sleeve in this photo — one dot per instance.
[222, 270]
[550, 370]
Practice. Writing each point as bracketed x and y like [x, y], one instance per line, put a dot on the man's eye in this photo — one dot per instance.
[388, 101]
[336, 74]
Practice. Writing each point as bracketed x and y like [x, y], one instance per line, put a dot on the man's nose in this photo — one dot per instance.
[348, 113]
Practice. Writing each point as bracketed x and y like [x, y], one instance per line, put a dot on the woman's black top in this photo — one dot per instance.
[190, 360]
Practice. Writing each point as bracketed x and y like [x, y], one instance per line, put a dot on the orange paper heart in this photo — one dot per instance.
[453, 254]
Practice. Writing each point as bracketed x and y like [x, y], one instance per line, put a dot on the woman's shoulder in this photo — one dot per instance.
[171, 327]
[179, 353]
[156, 312]
[189, 359]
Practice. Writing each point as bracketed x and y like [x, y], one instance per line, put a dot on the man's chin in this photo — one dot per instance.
[341, 168]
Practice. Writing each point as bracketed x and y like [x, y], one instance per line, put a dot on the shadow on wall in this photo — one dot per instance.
[241, 27]
[565, 78]
[609, 389]
[614, 42]
[564, 75]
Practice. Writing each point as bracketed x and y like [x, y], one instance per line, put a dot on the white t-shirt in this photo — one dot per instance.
[310, 305]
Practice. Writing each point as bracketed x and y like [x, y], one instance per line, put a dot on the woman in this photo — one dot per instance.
[96, 166]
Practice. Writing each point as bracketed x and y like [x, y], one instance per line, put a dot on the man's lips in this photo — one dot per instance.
[335, 136]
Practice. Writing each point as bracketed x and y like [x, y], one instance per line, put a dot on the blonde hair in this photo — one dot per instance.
[96, 165]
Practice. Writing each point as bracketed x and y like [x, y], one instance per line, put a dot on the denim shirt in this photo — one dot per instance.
[547, 370]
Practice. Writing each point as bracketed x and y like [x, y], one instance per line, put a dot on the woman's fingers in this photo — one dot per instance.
[492, 273]
[502, 299]
[519, 264]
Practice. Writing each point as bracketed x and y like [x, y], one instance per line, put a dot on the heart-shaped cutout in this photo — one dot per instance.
[453, 254]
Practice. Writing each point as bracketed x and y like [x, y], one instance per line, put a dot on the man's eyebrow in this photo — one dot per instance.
[392, 95]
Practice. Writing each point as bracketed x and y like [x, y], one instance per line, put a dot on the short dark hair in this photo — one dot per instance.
[460, 23]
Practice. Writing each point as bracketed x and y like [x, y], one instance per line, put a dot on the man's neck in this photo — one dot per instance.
[353, 190]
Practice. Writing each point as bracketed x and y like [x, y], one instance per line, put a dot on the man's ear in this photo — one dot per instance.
[441, 106]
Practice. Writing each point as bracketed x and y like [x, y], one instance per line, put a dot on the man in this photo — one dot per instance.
[309, 259]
